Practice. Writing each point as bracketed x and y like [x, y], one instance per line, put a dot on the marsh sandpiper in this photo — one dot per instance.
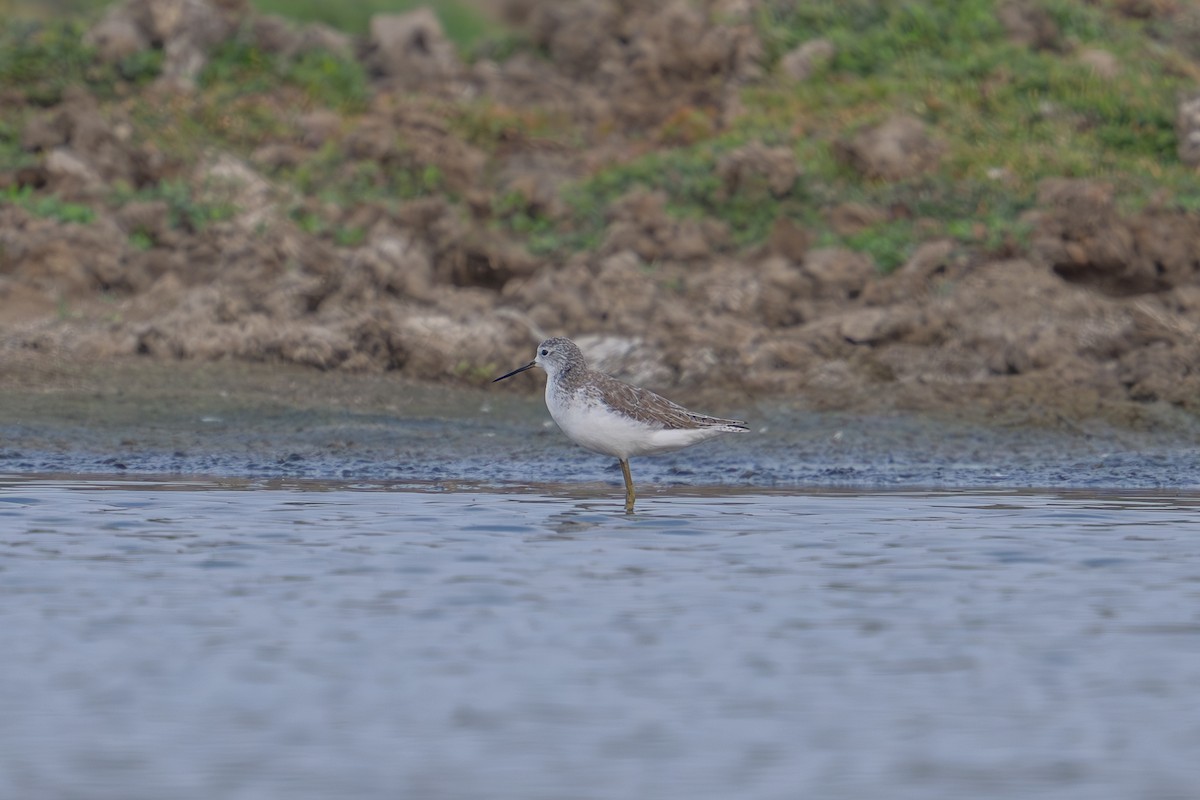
[612, 417]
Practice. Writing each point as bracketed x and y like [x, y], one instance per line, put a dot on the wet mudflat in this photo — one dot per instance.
[283, 638]
[245, 420]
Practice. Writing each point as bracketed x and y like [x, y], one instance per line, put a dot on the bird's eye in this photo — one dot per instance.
[545, 352]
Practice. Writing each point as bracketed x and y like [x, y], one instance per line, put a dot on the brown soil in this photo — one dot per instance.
[1100, 317]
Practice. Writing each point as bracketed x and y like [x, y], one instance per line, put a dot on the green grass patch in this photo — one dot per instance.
[39, 60]
[542, 235]
[12, 155]
[248, 98]
[316, 225]
[239, 68]
[186, 211]
[996, 103]
[983, 214]
[338, 183]
[1007, 115]
[332, 178]
[49, 206]
[463, 24]
[52, 9]
[689, 178]
[141, 240]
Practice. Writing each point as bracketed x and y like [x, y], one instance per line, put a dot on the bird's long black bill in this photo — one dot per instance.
[515, 371]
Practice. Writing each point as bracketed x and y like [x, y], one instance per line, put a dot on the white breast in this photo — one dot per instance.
[600, 429]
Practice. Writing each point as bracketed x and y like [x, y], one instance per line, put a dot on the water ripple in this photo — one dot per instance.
[264, 638]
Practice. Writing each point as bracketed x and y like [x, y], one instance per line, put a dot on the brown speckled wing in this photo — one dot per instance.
[653, 409]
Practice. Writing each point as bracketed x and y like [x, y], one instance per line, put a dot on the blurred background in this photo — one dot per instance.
[464, 21]
[984, 205]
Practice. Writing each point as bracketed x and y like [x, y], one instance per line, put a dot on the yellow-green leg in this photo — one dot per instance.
[630, 495]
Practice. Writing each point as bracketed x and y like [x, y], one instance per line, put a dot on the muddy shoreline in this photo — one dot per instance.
[1096, 317]
[143, 417]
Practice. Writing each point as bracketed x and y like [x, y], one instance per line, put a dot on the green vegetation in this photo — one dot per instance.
[238, 69]
[247, 98]
[12, 155]
[51, 9]
[1007, 115]
[40, 60]
[337, 184]
[47, 205]
[185, 210]
[463, 24]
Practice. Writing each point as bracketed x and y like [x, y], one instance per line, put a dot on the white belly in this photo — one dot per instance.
[602, 430]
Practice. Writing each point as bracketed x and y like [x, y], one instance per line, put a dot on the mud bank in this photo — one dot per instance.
[283, 422]
[1097, 316]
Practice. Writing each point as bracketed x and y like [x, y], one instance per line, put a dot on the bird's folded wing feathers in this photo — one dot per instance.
[654, 409]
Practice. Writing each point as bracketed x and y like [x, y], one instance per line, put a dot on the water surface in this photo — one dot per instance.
[280, 637]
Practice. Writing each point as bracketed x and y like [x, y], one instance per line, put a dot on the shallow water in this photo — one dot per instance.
[313, 639]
